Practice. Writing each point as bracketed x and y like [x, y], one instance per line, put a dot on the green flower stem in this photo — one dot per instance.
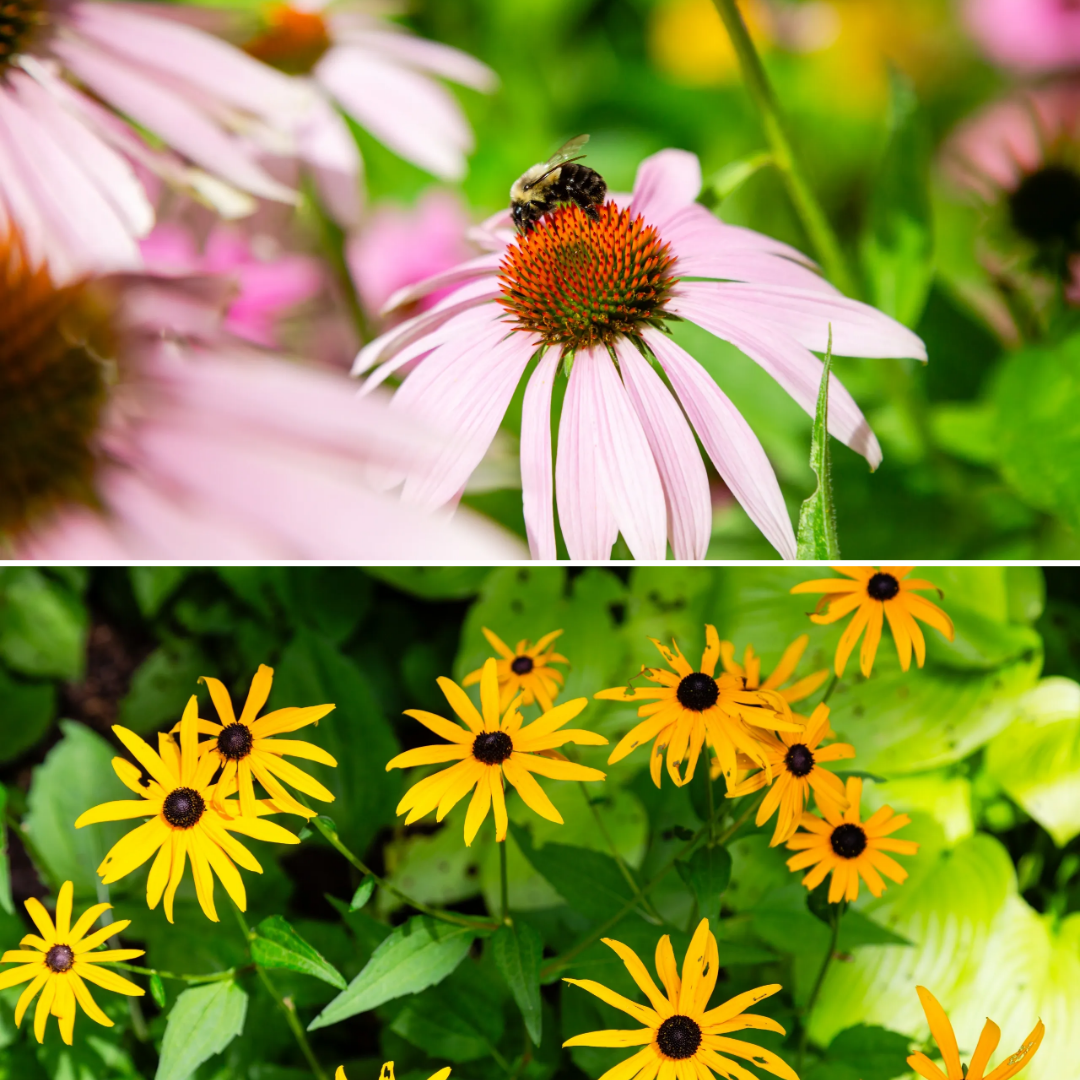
[712, 806]
[561, 962]
[330, 834]
[504, 885]
[286, 1005]
[217, 976]
[829, 689]
[806, 204]
[804, 1023]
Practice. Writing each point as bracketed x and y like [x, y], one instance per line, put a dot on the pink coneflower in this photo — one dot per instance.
[1027, 35]
[1021, 156]
[133, 429]
[593, 299]
[67, 180]
[266, 288]
[380, 76]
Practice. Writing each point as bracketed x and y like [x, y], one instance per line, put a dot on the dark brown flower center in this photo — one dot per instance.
[1046, 208]
[678, 1037]
[521, 665]
[577, 282]
[19, 19]
[60, 958]
[698, 692]
[848, 841]
[799, 760]
[53, 385]
[235, 741]
[882, 587]
[492, 747]
[183, 807]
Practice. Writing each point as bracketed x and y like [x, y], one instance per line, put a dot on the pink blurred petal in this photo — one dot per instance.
[482, 266]
[729, 441]
[1028, 35]
[170, 246]
[665, 184]
[693, 230]
[537, 482]
[431, 56]
[675, 451]
[327, 147]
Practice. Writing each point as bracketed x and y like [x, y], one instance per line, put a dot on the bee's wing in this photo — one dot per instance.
[566, 151]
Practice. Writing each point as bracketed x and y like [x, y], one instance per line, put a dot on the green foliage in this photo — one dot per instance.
[42, 625]
[817, 518]
[204, 1020]
[29, 709]
[864, 1052]
[161, 687]
[707, 873]
[517, 950]
[275, 944]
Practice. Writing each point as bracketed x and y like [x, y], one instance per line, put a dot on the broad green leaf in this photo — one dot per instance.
[433, 582]
[981, 643]
[42, 625]
[153, 585]
[76, 775]
[1037, 758]
[161, 686]
[28, 708]
[817, 518]
[275, 944]
[864, 1052]
[589, 881]
[204, 1020]
[707, 873]
[416, 955]
[518, 950]
[363, 893]
[897, 248]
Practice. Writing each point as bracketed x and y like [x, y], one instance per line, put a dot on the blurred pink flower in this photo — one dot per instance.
[395, 247]
[187, 444]
[594, 297]
[266, 288]
[381, 76]
[1027, 35]
[68, 178]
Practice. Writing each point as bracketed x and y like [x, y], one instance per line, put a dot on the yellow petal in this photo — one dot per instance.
[478, 810]
[121, 810]
[142, 752]
[220, 697]
[459, 701]
[42, 920]
[86, 1000]
[641, 1037]
[530, 791]
[109, 980]
[258, 694]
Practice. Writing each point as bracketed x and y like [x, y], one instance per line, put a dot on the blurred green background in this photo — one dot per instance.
[981, 748]
[981, 446]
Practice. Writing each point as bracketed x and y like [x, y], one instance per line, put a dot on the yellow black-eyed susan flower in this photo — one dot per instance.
[750, 670]
[797, 761]
[850, 848]
[492, 746]
[387, 1073]
[943, 1034]
[60, 960]
[681, 1037]
[526, 669]
[875, 594]
[188, 820]
[688, 708]
[245, 748]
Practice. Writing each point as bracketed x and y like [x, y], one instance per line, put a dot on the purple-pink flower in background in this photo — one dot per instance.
[1031, 36]
[266, 288]
[382, 77]
[69, 179]
[593, 298]
[135, 429]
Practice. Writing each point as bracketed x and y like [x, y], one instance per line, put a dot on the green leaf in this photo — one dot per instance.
[732, 177]
[6, 902]
[817, 518]
[161, 686]
[275, 944]
[1036, 760]
[981, 643]
[707, 873]
[363, 893]
[76, 775]
[433, 582]
[589, 881]
[157, 990]
[153, 585]
[897, 248]
[42, 625]
[28, 711]
[518, 950]
[204, 1020]
[873, 1053]
[416, 955]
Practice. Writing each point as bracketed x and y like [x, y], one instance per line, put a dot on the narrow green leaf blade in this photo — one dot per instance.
[416, 955]
[204, 1020]
[707, 873]
[363, 893]
[157, 990]
[817, 519]
[276, 944]
[517, 951]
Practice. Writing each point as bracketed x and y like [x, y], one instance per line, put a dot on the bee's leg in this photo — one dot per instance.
[590, 210]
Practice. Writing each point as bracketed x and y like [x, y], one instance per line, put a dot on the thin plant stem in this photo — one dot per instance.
[504, 886]
[817, 226]
[216, 976]
[804, 1026]
[138, 1021]
[829, 689]
[286, 1005]
[712, 808]
[331, 835]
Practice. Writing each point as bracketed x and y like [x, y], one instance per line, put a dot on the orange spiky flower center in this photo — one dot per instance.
[292, 41]
[53, 388]
[578, 283]
[19, 21]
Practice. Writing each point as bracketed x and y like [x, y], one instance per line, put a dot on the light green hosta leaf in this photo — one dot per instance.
[1037, 758]
[946, 798]
[202, 1023]
[947, 913]
[903, 722]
